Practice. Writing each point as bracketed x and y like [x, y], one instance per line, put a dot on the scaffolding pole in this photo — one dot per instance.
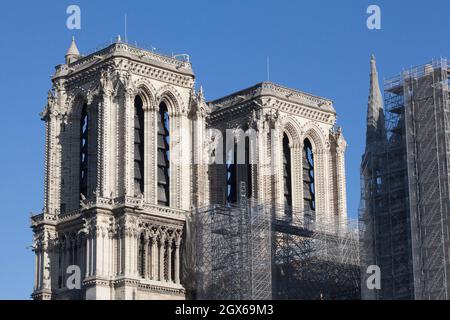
[255, 251]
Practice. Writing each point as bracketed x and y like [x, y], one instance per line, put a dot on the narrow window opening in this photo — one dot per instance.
[287, 173]
[84, 140]
[232, 175]
[138, 146]
[163, 155]
[309, 196]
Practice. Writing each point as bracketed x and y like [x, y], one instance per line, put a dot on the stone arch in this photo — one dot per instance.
[315, 135]
[292, 130]
[147, 92]
[318, 141]
[172, 98]
[76, 102]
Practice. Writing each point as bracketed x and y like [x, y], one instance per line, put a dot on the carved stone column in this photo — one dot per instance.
[53, 164]
[263, 160]
[135, 253]
[169, 260]
[185, 162]
[112, 255]
[176, 148]
[320, 185]
[177, 261]
[341, 180]
[106, 146]
[297, 176]
[144, 261]
[150, 152]
[153, 257]
[162, 249]
[88, 255]
[94, 250]
[121, 250]
[277, 164]
[129, 143]
[38, 260]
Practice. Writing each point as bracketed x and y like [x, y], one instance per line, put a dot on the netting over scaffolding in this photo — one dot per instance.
[263, 252]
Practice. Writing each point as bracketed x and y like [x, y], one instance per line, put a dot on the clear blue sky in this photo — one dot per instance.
[322, 47]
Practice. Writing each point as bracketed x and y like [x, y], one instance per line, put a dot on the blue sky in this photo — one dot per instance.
[321, 47]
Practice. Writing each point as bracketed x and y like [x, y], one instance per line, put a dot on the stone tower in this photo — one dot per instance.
[296, 153]
[121, 130]
[132, 151]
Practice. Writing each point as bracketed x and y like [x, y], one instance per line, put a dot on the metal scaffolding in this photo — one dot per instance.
[261, 252]
[405, 187]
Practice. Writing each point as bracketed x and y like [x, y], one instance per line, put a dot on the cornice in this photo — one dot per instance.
[269, 89]
[138, 205]
[130, 52]
[137, 61]
[275, 97]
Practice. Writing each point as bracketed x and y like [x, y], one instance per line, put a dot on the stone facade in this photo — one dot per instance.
[125, 242]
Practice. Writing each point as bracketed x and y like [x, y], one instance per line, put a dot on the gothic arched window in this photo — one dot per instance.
[287, 172]
[309, 197]
[138, 146]
[84, 140]
[163, 155]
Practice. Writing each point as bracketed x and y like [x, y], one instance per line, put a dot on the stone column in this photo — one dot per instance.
[150, 152]
[127, 251]
[129, 143]
[88, 253]
[63, 262]
[277, 165]
[263, 161]
[175, 194]
[341, 181]
[94, 244]
[111, 260]
[200, 162]
[145, 259]
[183, 163]
[149, 258]
[100, 250]
[320, 185]
[46, 278]
[80, 254]
[177, 261]
[169, 260]
[36, 269]
[38, 252]
[135, 253]
[106, 150]
[154, 260]
[120, 251]
[162, 245]
[297, 176]
[52, 164]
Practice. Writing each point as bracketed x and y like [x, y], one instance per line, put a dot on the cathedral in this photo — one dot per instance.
[132, 148]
